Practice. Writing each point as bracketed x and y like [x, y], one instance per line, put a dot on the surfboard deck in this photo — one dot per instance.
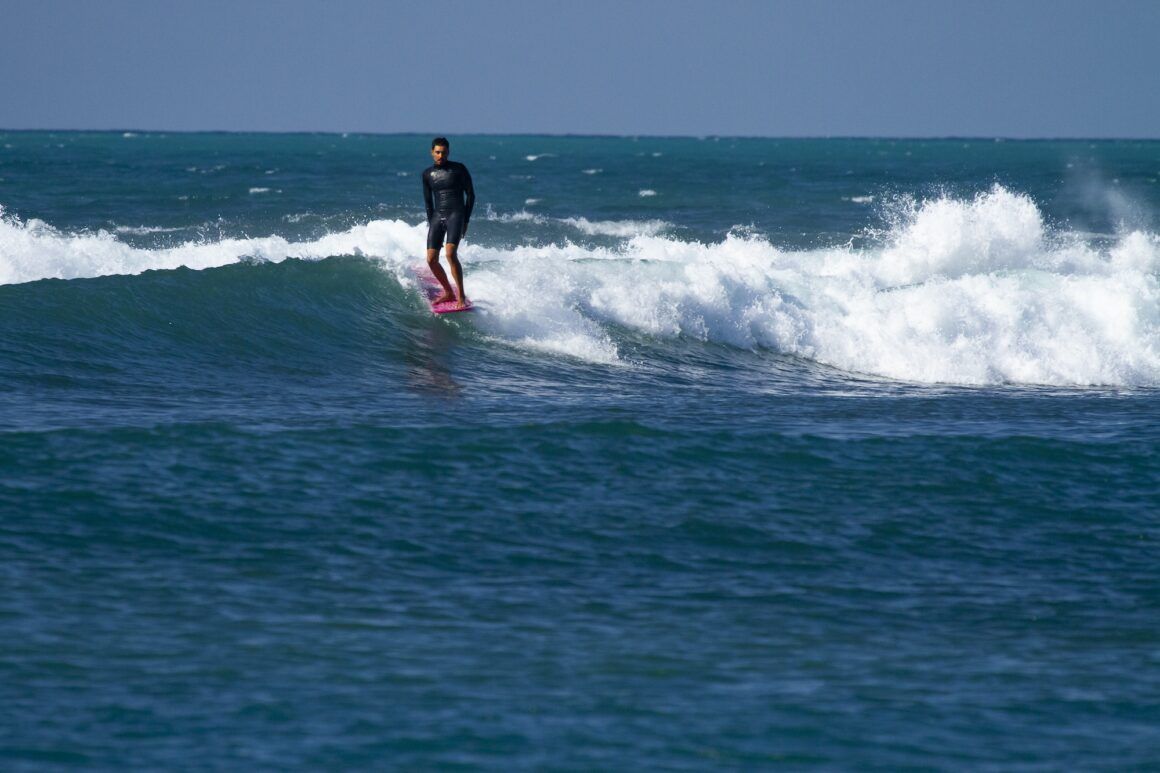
[447, 307]
[433, 290]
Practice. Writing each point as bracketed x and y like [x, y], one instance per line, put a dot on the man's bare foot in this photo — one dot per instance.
[446, 297]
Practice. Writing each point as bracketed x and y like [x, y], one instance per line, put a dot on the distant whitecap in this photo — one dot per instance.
[621, 228]
[145, 230]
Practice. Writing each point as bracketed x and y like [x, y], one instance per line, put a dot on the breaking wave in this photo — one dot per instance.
[964, 291]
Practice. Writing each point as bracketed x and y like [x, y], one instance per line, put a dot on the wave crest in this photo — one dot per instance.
[976, 291]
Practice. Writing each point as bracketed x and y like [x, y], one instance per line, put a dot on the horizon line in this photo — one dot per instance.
[602, 135]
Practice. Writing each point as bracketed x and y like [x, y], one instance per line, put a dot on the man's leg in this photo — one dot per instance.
[440, 276]
[456, 270]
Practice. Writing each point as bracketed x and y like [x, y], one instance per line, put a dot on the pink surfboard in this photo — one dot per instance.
[433, 290]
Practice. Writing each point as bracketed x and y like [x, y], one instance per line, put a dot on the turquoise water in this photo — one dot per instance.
[811, 454]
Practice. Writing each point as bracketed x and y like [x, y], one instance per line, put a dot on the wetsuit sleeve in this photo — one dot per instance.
[469, 189]
[427, 197]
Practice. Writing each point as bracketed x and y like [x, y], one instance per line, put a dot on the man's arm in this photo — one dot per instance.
[427, 198]
[469, 189]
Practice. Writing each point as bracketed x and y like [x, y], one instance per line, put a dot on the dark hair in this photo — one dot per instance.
[440, 141]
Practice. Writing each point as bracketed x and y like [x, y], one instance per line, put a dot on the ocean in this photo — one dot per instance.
[755, 454]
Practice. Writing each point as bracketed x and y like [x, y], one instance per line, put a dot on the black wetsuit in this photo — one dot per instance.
[450, 197]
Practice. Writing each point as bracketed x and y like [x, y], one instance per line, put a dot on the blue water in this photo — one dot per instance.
[810, 454]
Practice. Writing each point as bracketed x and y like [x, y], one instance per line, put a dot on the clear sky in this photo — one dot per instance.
[1016, 68]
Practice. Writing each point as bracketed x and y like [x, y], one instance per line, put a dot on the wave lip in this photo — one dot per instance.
[35, 250]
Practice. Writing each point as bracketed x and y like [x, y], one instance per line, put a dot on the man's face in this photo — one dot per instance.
[439, 153]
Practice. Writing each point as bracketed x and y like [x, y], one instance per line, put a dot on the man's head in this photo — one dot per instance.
[440, 149]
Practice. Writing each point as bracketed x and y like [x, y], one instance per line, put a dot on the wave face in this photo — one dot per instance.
[962, 291]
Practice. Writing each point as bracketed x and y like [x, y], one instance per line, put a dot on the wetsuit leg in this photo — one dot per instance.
[435, 232]
[454, 227]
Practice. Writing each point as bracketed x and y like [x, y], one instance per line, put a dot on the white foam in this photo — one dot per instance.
[145, 230]
[974, 291]
[967, 292]
[259, 190]
[624, 228]
[646, 192]
[35, 250]
[620, 228]
[522, 216]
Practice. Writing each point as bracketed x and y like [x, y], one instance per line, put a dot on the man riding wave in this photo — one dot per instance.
[450, 197]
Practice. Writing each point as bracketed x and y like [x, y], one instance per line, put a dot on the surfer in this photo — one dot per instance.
[450, 197]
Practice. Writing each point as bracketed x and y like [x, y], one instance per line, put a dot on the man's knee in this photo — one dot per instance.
[432, 257]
